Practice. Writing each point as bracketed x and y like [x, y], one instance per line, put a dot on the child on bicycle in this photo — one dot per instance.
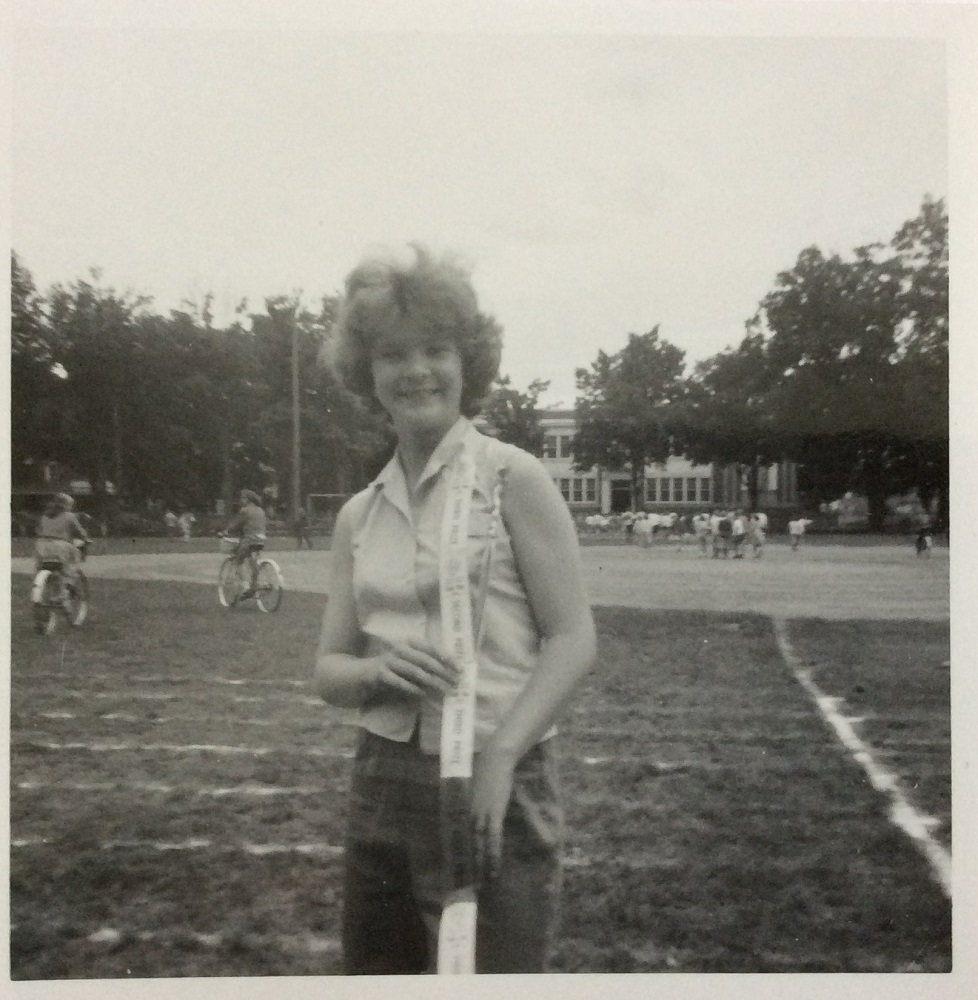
[248, 526]
[56, 533]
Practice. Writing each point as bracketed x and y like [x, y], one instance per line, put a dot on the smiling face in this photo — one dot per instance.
[417, 378]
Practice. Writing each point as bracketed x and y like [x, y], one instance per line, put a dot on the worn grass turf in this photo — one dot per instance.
[714, 823]
[717, 824]
[896, 677]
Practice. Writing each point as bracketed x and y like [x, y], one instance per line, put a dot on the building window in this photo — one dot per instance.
[664, 494]
[550, 446]
[677, 489]
[578, 489]
[564, 446]
[650, 490]
[691, 489]
[705, 482]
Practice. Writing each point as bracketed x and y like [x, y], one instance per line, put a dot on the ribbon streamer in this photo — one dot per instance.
[457, 930]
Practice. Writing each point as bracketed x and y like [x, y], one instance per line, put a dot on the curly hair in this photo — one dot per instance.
[436, 295]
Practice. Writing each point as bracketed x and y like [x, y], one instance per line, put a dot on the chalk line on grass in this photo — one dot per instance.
[241, 699]
[167, 679]
[199, 844]
[308, 944]
[914, 824]
[317, 850]
[152, 787]
[181, 748]
[163, 720]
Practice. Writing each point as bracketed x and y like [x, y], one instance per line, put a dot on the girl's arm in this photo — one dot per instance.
[548, 558]
[344, 676]
[235, 525]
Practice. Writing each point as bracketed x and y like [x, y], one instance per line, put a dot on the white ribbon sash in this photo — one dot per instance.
[457, 930]
[458, 708]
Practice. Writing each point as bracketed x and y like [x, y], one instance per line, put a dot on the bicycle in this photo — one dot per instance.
[53, 595]
[234, 580]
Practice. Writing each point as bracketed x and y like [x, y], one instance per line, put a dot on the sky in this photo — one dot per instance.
[598, 182]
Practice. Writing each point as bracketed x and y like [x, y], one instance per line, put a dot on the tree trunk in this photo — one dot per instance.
[875, 490]
[98, 488]
[116, 449]
[944, 510]
[227, 482]
[755, 486]
[638, 477]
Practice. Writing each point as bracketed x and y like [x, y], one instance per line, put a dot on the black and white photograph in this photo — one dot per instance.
[480, 498]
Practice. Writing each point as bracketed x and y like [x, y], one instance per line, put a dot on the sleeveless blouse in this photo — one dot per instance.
[396, 589]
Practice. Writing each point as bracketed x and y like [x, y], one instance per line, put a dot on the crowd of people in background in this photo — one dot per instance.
[717, 533]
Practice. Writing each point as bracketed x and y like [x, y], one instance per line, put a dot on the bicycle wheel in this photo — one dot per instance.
[75, 604]
[44, 596]
[228, 583]
[269, 591]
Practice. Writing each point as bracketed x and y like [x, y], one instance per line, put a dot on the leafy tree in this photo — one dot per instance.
[728, 411]
[628, 409]
[224, 398]
[95, 340]
[35, 422]
[834, 351]
[922, 248]
[340, 434]
[859, 351]
[514, 415]
[174, 408]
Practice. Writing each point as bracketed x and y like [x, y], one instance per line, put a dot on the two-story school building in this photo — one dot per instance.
[677, 485]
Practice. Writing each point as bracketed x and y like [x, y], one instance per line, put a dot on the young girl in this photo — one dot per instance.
[57, 530]
[411, 337]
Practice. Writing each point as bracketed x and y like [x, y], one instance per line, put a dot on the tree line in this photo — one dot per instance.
[843, 368]
[174, 408]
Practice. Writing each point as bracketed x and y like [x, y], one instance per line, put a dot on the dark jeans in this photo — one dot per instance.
[393, 887]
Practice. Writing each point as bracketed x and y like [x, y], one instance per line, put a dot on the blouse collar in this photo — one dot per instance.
[391, 478]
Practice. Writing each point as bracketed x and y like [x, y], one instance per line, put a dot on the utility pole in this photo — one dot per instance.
[296, 451]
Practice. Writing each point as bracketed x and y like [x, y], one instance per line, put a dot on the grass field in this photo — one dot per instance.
[178, 794]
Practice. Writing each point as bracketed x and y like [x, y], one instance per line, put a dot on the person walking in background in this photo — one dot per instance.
[628, 520]
[758, 532]
[796, 530]
[701, 528]
[300, 528]
[925, 540]
[738, 533]
[410, 335]
[187, 521]
[722, 535]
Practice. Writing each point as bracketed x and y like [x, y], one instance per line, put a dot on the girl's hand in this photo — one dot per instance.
[417, 668]
[492, 786]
